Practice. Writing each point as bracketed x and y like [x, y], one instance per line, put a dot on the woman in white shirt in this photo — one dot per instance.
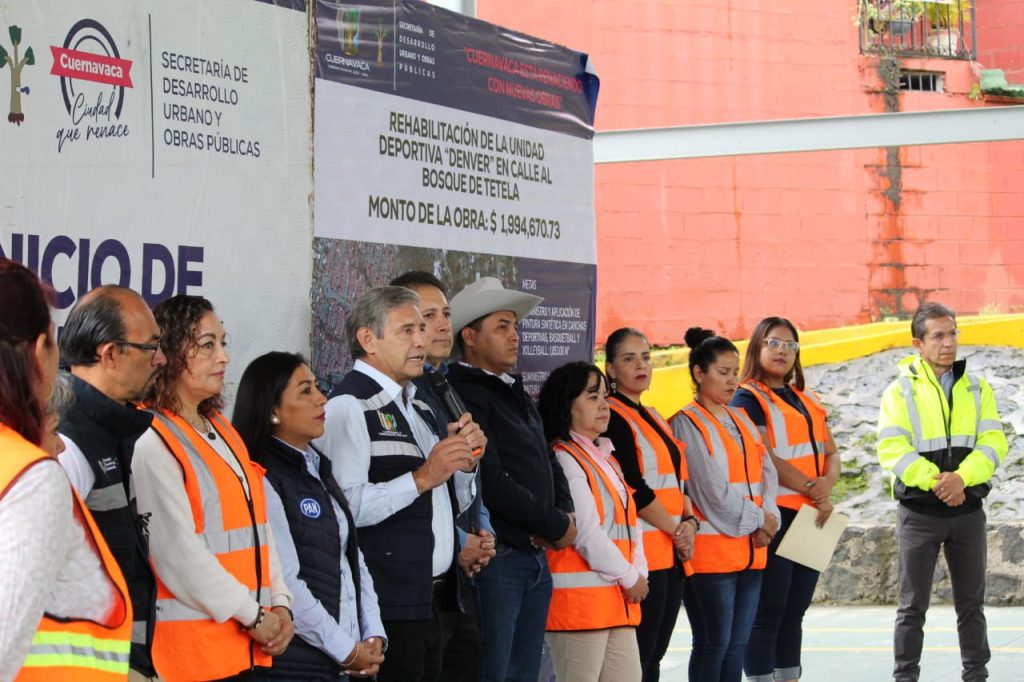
[222, 603]
[601, 579]
[54, 579]
[279, 411]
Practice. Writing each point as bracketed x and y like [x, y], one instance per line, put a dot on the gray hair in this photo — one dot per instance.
[928, 311]
[95, 319]
[372, 311]
[62, 395]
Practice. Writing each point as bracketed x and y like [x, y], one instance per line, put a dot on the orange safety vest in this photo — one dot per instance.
[797, 438]
[715, 552]
[660, 475]
[582, 599]
[188, 644]
[63, 648]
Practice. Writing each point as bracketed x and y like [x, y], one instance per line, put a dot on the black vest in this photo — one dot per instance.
[314, 531]
[398, 550]
[105, 431]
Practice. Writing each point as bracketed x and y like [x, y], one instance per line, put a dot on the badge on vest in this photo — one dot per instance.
[390, 424]
[310, 507]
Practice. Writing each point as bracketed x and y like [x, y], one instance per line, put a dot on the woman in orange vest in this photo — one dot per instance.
[732, 484]
[792, 420]
[653, 465]
[222, 605]
[600, 580]
[64, 601]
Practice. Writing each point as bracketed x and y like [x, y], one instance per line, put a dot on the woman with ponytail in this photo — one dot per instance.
[732, 484]
[654, 468]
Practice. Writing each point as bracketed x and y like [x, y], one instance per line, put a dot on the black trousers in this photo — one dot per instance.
[658, 618]
[461, 634]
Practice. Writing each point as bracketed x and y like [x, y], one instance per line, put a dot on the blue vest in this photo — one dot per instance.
[399, 550]
[314, 530]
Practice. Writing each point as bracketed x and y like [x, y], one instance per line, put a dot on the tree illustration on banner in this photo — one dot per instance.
[16, 116]
[382, 33]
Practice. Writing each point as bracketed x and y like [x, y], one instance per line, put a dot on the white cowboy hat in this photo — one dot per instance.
[486, 296]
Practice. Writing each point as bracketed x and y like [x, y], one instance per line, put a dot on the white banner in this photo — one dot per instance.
[165, 147]
[393, 170]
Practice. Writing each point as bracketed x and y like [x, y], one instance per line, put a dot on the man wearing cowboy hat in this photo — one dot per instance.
[527, 494]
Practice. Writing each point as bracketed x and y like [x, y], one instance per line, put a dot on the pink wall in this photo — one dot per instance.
[825, 238]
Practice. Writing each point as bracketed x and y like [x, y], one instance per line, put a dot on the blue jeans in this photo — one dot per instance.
[786, 592]
[720, 608]
[514, 592]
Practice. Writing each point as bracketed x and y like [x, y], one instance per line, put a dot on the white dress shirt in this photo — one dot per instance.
[347, 443]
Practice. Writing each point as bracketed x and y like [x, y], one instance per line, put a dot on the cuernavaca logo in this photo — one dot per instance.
[93, 78]
[348, 30]
[388, 421]
[17, 64]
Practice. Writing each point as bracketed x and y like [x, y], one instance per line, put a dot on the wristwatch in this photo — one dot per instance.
[694, 519]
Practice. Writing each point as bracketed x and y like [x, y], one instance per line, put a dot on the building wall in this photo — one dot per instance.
[1000, 26]
[825, 238]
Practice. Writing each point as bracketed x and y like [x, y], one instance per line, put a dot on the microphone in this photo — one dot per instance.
[451, 401]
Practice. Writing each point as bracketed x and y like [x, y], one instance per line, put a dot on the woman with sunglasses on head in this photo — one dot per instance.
[222, 604]
[66, 611]
[793, 422]
[732, 484]
[654, 467]
[278, 413]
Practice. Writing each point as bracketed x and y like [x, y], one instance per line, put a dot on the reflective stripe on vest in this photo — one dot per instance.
[660, 475]
[231, 521]
[715, 552]
[962, 440]
[72, 649]
[790, 439]
[581, 599]
[384, 448]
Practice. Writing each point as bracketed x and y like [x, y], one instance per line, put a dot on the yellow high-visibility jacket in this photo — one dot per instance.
[922, 433]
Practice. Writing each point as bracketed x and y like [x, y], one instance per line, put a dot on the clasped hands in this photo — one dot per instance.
[682, 539]
[949, 488]
[275, 631]
[476, 552]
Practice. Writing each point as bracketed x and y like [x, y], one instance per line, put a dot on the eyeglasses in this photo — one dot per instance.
[147, 347]
[784, 346]
[940, 337]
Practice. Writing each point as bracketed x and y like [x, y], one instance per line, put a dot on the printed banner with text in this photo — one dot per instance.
[164, 147]
[448, 144]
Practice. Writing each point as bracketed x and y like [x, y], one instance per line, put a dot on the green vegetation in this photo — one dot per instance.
[850, 484]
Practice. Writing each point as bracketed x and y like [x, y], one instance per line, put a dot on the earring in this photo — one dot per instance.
[611, 385]
[274, 420]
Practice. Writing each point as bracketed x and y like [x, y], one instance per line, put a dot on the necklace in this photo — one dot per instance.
[206, 429]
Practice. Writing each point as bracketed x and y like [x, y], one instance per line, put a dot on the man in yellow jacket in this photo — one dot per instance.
[940, 435]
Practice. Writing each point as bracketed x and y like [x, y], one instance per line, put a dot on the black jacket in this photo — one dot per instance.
[105, 431]
[524, 489]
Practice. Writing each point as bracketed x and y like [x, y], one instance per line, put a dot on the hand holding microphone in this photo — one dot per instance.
[458, 414]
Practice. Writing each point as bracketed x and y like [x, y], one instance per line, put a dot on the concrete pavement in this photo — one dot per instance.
[848, 643]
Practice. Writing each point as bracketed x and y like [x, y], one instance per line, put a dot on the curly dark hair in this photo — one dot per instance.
[562, 387]
[178, 318]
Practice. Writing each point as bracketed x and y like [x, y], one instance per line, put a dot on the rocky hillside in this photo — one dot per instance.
[852, 391]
